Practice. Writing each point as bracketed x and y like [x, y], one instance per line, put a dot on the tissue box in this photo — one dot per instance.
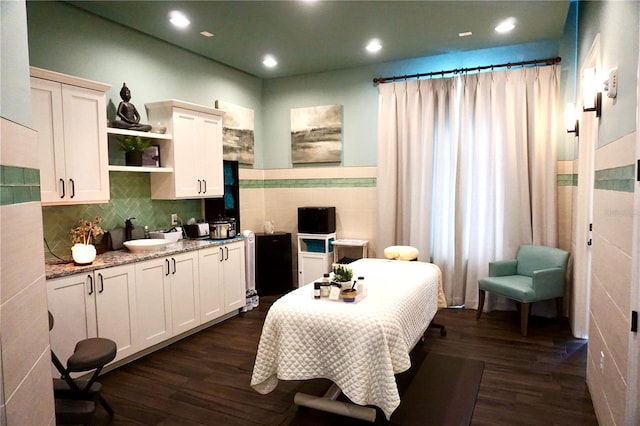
[171, 236]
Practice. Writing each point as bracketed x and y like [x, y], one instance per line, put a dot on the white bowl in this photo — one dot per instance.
[147, 244]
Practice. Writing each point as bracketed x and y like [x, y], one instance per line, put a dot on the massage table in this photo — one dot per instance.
[359, 346]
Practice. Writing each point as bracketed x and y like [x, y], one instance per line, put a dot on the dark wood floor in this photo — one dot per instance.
[204, 379]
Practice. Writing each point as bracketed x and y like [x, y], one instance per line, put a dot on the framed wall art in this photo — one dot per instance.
[151, 156]
[316, 134]
[237, 132]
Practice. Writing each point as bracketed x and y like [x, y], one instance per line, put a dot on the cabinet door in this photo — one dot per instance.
[185, 298]
[72, 304]
[312, 267]
[211, 168]
[153, 301]
[85, 135]
[116, 308]
[211, 289]
[186, 131]
[46, 103]
[234, 277]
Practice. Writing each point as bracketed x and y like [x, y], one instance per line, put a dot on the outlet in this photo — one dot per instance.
[174, 218]
[601, 362]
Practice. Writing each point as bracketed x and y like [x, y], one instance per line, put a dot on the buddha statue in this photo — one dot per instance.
[128, 116]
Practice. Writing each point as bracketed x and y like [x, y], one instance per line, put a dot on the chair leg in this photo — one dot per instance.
[481, 294]
[524, 317]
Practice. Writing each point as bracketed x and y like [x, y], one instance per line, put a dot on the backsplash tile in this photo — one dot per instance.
[130, 197]
[19, 185]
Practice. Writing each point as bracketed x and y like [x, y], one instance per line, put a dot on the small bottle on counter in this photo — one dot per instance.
[360, 286]
[316, 290]
[324, 289]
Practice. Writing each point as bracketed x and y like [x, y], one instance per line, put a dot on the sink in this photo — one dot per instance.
[147, 244]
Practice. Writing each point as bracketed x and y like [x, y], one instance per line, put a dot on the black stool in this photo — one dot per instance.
[77, 399]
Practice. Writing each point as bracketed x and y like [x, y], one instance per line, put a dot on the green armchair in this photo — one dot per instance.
[537, 273]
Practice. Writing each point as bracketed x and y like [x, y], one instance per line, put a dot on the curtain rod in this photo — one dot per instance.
[548, 61]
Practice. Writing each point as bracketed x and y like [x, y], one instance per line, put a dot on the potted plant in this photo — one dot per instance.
[133, 147]
[342, 274]
[83, 252]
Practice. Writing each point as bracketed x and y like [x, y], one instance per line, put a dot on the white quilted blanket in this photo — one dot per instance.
[358, 346]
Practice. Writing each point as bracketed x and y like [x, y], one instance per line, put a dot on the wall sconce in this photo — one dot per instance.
[591, 92]
[571, 119]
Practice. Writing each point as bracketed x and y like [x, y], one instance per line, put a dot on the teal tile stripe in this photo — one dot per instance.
[19, 185]
[309, 183]
[569, 179]
[621, 179]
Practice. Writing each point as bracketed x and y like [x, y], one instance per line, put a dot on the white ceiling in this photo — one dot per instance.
[315, 36]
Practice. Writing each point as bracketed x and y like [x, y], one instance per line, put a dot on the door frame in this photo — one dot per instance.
[588, 139]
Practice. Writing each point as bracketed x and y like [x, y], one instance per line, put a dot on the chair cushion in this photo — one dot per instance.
[533, 258]
[401, 252]
[91, 353]
[516, 287]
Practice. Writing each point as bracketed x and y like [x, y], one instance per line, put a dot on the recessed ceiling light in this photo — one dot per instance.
[178, 19]
[269, 61]
[506, 25]
[374, 45]
[206, 33]
[465, 34]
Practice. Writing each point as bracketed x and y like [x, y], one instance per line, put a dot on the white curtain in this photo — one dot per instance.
[467, 170]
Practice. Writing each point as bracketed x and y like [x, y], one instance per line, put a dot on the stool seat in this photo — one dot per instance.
[91, 353]
[401, 252]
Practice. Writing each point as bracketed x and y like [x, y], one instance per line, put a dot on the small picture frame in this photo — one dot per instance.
[151, 156]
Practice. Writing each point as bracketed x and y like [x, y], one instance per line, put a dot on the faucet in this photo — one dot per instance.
[128, 229]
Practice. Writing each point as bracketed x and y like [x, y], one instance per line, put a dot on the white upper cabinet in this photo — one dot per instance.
[70, 116]
[195, 154]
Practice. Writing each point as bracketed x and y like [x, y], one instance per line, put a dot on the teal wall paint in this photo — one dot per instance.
[568, 142]
[617, 23]
[130, 197]
[355, 91]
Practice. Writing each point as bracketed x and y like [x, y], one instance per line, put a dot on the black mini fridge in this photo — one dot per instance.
[274, 270]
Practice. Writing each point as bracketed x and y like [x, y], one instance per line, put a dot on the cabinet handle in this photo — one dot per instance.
[174, 264]
[73, 188]
[90, 284]
[199, 186]
[101, 283]
[62, 184]
[226, 257]
[221, 255]
[168, 270]
[205, 186]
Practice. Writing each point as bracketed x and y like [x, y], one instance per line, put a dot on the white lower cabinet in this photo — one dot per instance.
[222, 280]
[141, 304]
[98, 303]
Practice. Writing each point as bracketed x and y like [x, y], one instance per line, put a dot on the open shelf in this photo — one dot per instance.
[148, 135]
[114, 168]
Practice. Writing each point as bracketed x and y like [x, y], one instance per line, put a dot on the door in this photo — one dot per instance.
[185, 304]
[234, 276]
[153, 301]
[116, 308]
[46, 102]
[71, 301]
[211, 289]
[186, 167]
[85, 135]
[312, 266]
[581, 296]
[212, 157]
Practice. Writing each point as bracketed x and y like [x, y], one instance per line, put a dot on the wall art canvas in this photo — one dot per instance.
[316, 134]
[237, 133]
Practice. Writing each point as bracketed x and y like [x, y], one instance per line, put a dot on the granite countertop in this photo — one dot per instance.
[57, 268]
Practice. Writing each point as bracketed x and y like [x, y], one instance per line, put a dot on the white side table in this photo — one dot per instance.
[345, 243]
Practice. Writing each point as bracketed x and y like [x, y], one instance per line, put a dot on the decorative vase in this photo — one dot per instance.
[83, 254]
[133, 158]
